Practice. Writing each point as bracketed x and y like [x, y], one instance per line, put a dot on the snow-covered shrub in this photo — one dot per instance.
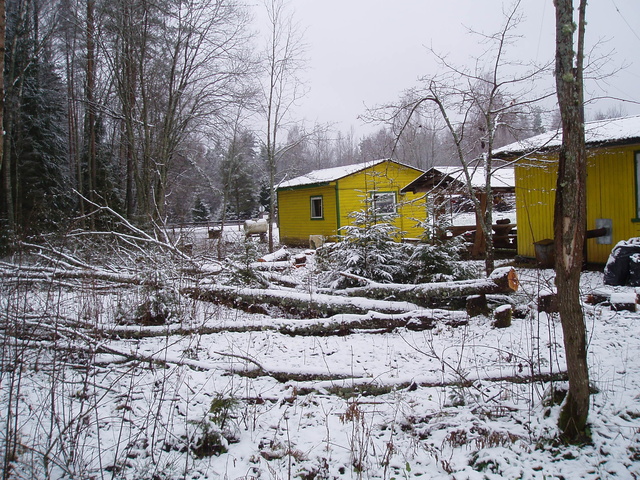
[437, 262]
[239, 270]
[217, 429]
[367, 249]
[160, 308]
[155, 307]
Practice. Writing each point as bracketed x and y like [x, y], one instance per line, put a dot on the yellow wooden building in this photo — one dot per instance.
[320, 202]
[613, 185]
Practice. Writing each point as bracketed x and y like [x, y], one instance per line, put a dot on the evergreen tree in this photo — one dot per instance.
[35, 125]
[40, 151]
[237, 170]
[200, 211]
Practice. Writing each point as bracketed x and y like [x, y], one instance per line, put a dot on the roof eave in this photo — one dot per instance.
[622, 142]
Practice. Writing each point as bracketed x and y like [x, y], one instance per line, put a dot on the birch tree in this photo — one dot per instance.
[570, 214]
[281, 87]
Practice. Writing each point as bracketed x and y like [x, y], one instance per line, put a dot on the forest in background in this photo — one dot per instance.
[152, 109]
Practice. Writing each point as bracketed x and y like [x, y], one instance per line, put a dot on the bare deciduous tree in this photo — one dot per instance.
[176, 70]
[478, 106]
[281, 88]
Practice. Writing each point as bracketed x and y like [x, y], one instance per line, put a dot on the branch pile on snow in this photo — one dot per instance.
[11, 272]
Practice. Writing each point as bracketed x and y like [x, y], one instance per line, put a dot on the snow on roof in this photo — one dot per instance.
[500, 177]
[331, 174]
[328, 174]
[611, 130]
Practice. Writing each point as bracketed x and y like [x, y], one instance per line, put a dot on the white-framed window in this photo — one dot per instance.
[317, 208]
[384, 203]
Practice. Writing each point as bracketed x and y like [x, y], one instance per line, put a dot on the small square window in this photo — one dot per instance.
[384, 203]
[316, 208]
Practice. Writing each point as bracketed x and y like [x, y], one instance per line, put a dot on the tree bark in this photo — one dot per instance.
[570, 217]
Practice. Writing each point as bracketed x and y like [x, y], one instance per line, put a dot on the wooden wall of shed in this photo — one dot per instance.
[294, 214]
[535, 193]
[611, 193]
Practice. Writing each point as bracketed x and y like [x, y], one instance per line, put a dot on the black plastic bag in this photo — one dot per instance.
[617, 271]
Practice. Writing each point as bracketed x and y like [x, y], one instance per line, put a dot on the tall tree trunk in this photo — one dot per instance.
[6, 168]
[128, 100]
[570, 216]
[73, 135]
[91, 107]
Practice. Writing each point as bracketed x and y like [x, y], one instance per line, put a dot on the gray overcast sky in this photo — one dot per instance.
[366, 52]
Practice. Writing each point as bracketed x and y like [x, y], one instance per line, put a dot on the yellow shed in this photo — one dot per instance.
[320, 202]
[613, 185]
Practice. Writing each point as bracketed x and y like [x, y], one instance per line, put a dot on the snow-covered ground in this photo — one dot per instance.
[221, 394]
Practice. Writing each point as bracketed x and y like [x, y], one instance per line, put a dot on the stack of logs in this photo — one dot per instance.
[619, 301]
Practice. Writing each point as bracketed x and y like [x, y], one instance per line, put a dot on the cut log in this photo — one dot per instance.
[293, 304]
[598, 296]
[272, 266]
[502, 280]
[284, 280]
[624, 301]
[372, 323]
[375, 323]
[277, 256]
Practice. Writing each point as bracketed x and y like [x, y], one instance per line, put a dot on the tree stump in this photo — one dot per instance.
[477, 305]
[548, 302]
[502, 316]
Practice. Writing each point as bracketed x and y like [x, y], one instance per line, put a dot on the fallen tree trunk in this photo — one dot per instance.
[26, 273]
[292, 304]
[502, 280]
[373, 322]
